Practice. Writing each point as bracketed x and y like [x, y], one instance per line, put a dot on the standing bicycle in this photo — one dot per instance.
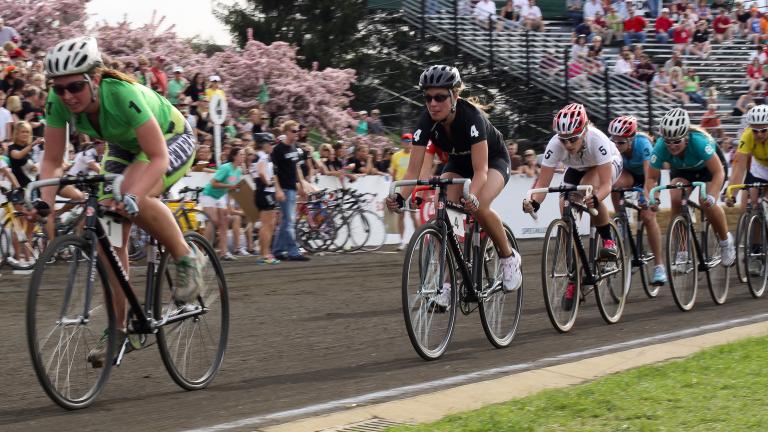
[449, 267]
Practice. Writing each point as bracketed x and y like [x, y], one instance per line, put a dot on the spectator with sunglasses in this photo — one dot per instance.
[476, 150]
[590, 158]
[151, 145]
[692, 155]
[285, 160]
[636, 149]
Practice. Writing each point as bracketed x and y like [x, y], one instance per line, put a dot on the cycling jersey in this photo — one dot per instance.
[700, 148]
[124, 106]
[597, 150]
[441, 155]
[759, 153]
[642, 149]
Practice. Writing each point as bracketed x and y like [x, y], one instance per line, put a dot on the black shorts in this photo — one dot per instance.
[465, 170]
[750, 178]
[265, 200]
[638, 180]
[701, 175]
[573, 176]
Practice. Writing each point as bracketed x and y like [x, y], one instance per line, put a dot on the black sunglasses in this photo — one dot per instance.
[571, 140]
[437, 98]
[759, 130]
[73, 87]
[621, 141]
[675, 142]
[295, 130]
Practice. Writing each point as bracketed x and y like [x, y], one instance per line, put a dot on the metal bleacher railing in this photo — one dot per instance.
[543, 59]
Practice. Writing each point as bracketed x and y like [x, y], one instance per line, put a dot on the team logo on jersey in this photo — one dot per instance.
[473, 131]
[653, 159]
[709, 150]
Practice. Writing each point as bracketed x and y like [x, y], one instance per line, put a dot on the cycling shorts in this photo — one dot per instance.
[751, 178]
[465, 170]
[700, 175]
[572, 176]
[181, 155]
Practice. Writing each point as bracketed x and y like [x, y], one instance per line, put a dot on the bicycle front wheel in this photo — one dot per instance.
[499, 311]
[66, 320]
[741, 241]
[648, 262]
[429, 293]
[756, 260]
[681, 264]
[192, 337]
[560, 276]
[611, 291]
[718, 276]
[378, 231]
[625, 233]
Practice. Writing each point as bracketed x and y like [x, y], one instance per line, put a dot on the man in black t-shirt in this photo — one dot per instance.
[32, 110]
[285, 158]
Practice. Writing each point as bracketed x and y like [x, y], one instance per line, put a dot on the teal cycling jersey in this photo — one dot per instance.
[642, 149]
[700, 148]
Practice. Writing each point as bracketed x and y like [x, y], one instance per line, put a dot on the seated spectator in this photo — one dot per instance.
[623, 65]
[681, 37]
[485, 13]
[583, 29]
[692, 87]
[742, 103]
[703, 11]
[578, 72]
[753, 26]
[515, 160]
[614, 26]
[701, 46]
[710, 122]
[691, 16]
[591, 7]
[595, 52]
[575, 11]
[676, 84]
[758, 53]
[531, 17]
[742, 18]
[722, 25]
[508, 16]
[755, 77]
[675, 61]
[679, 7]
[599, 26]
[622, 8]
[579, 47]
[634, 28]
[645, 70]
[764, 28]
[663, 26]
[660, 82]
[529, 166]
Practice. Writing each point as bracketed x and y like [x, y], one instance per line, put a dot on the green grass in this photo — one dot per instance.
[720, 389]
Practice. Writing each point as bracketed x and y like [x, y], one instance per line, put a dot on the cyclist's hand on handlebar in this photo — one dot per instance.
[709, 201]
[530, 206]
[591, 201]
[471, 204]
[730, 202]
[395, 202]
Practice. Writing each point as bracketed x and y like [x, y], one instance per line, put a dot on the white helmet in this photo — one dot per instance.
[758, 115]
[73, 56]
[675, 124]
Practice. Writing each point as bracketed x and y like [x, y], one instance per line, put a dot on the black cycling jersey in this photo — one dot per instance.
[469, 127]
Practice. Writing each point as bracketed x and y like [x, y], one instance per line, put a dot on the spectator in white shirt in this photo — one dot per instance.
[7, 33]
[485, 12]
[531, 17]
[591, 7]
[620, 6]
[623, 65]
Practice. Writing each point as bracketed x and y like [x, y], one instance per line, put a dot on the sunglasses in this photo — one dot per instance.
[72, 88]
[620, 141]
[437, 98]
[295, 130]
[675, 142]
[571, 140]
[763, 130]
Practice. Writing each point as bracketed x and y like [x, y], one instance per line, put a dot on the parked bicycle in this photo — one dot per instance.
[752, 238]
[687, 254]
[69, 307]
[566, 267]
[447, 268]
[22, 240]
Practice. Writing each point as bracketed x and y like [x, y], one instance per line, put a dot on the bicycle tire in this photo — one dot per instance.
[625, 232]
[341, 236]
[682, 273]
[756, 281]
[718, 276]
[5, 245]
[421, 285]
[492, 299]
[565, 268]
[611, 292]
[172, 336]
[741, 241]
[378, 233]
[45, 282]
[648, 258]
[359, 231]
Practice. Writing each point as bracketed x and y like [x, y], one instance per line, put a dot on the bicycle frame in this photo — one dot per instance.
[621, 212]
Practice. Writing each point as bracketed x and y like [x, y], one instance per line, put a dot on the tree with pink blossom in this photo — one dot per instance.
[42, 23]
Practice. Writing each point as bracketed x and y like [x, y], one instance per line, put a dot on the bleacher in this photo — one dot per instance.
[523, 53]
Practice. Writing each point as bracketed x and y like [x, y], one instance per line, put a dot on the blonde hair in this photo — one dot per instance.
[115, 74]
[17, 127]
[288, 125]
[13, 104]
[325, 146]
[473, 100]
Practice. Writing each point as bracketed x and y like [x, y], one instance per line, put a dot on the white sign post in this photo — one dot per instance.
[217, 110]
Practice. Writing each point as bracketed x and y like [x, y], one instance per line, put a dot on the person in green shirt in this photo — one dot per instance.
[150, 144]
[176, 85]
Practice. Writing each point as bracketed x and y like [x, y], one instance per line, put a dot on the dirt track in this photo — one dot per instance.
[306, 333]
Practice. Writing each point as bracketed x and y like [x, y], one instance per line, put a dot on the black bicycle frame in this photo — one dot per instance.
[446, 230]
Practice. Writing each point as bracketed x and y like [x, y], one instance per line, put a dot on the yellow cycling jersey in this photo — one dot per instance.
[748, 146]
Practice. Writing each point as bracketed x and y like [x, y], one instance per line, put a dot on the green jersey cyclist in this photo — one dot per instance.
[150, 144]
[475, 150]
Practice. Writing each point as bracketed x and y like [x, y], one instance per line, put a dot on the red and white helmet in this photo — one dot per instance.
[624, 126]
[571, 120]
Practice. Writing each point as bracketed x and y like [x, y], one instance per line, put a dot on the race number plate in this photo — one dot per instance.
[113, 229]
[457, 221]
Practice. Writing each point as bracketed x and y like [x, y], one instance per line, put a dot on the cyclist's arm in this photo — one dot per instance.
[545, 178]
[718, 176]
[479, 166]
[604, 174]
[651, 180]
[739, 164]
[53, 157]
[152, 143]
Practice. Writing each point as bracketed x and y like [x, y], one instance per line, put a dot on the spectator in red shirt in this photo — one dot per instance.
[681, 37]
[158, 70]
[634, 28]
[723, 26]
[663, 26]
[755, 76]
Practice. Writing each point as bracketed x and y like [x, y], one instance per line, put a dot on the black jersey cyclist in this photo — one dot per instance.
[475, 150]
[692, 155]
[150, 143]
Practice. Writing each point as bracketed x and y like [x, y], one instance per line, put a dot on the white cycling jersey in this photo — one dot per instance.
[597, 150]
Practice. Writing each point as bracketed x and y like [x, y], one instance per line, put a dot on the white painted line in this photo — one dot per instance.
[471, 377]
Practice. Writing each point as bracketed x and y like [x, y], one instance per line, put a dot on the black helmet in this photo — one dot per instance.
[263, 137]
[440, 76]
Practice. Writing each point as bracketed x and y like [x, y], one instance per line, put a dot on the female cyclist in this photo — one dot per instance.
[150, 143]
[475, 150]
[689, 153]
[591, 159]
[636, 149]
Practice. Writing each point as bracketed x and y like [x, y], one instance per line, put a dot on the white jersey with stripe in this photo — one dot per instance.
[597, 150]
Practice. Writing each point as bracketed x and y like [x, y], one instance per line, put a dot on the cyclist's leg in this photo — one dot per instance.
[488, 218]
[625, 180]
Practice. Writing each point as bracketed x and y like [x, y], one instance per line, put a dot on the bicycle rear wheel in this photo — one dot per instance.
[611, 291]
[378, 231]
[756, 260]
[718, 276]
[560, 268]
[648, 260]
[65, 321]
[192, 348]
[359, 231]
[499, 311]
[741, 241]
[682, 264]
[428, 324]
